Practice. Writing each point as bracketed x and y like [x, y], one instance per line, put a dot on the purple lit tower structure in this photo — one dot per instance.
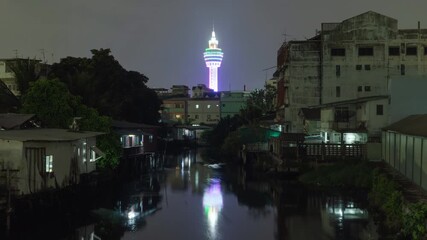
[213, 57]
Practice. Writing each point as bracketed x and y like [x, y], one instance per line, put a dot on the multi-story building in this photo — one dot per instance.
[8, 77]
[174, 110]
[345, 65]
[232, 102]
[298, 84]
[204, 110]
[199, 90]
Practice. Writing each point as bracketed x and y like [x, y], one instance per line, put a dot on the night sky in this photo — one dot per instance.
[165, 39]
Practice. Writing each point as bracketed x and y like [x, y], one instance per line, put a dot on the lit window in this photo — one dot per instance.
[92, 156]
[150, 138]
[197, 105]
[177, 116]
[209, 106]
[49, 163]
[84, 151]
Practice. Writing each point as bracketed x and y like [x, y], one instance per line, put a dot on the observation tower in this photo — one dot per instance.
[213, 57]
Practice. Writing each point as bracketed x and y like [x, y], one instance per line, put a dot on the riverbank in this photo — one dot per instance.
[397, 205]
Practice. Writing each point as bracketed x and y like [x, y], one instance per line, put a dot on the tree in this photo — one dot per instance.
[50, 100]
[105, 85]
[259, 103]
[26, 72]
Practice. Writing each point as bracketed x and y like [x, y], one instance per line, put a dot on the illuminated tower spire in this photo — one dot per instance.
[213, 57]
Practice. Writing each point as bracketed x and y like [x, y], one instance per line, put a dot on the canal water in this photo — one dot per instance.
[191, 199]
[194, 200]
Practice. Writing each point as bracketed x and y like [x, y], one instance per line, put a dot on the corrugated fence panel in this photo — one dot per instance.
[417, 160]
[409, 157]
[402, 154]
[424, 165]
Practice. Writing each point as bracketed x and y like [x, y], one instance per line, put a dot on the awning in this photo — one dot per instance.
[98, 152]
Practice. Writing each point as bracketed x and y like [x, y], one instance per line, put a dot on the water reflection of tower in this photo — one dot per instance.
[212, 203]
[213, 58]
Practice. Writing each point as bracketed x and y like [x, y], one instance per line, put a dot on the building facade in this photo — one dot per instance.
[47, 158]
[7, 75]
[232, 102]
[356, 59]
[204, 110]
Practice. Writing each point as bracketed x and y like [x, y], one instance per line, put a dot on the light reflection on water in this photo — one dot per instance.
[201, 202]
[212, 203]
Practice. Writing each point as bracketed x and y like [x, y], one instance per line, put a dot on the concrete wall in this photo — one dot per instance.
[368, 30]
[301, 81]
[207, 112]
[407, 154]
[408, 97]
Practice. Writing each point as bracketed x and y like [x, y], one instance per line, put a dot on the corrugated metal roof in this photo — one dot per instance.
[45, 135]
[415, 125]
[13, 120]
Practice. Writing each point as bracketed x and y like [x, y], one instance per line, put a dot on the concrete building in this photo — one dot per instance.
[200, 90]
[232, 102]
[204, 110]
[47, 158]
[347, 61]
[175, 110]
[8, 77]
[299, 81]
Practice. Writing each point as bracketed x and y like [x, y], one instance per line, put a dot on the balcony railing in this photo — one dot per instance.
[132, 151]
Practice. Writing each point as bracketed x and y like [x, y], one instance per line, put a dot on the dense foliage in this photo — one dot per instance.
[106, 86]
[343, 174]
[56, 107]
[407, 219]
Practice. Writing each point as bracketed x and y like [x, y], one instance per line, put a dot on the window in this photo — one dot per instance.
[367, 88]
[393, 51]
[402, 69]
[425, 50]
[196, 116]
[92, 156]
[197, 105]
[342, 114]
[359, 88]
[338, 70]
[177, 116]
[8, 69]
[411, 51]
[338, 91]
[209, 106]
[49, 163]
[338, 52]
[380, 109]
[208, 117]
[367, 67]
[358, 67]
[223, 105]
[84, 151]
[366, 51]
[150, 138]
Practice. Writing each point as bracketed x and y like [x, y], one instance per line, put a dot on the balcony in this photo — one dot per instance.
[133, 151]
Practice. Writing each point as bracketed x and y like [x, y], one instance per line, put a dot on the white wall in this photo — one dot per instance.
[407, 154]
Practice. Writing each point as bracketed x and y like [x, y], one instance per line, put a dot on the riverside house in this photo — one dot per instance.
[47, 158]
